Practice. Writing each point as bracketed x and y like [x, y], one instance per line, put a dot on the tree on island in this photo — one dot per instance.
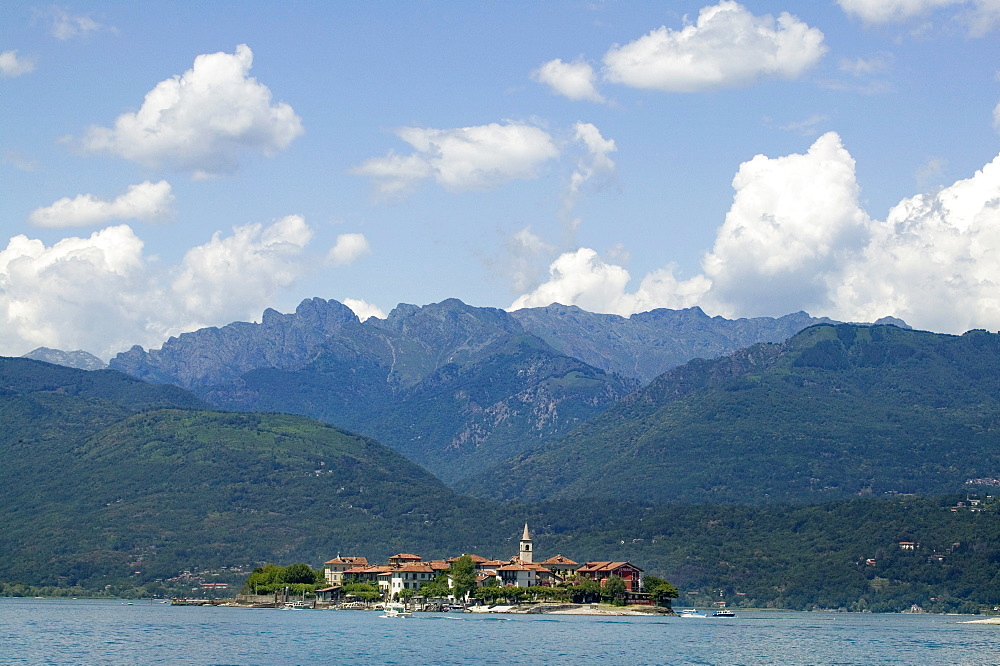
[436, 589]
[463, 576]
[660, 590]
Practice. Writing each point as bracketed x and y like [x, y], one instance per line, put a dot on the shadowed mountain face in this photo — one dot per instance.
[835, 411]
[456, 388]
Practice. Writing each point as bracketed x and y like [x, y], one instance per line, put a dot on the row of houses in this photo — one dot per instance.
[407, 571]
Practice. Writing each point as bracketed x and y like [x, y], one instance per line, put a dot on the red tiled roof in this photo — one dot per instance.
[559, 559]
[348, 560]
[594, 567]
[405, 556]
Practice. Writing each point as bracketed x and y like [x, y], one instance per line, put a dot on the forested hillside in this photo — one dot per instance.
[837, 411]
[107, 481]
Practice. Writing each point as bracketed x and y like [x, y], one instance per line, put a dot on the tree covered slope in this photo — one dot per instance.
[103, 476]
[835, 411]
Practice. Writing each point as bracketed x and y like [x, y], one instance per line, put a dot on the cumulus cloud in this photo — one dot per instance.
[103, 294]
[348, 249]
[934, 261]
[363, 309]
[582, 278]
[227, 274]
[203, 120]
[465, 158]
[574, 80]
[981, 16]
[726, 47]
[12, 65]
[797, 238]
[146, 201]
[793, 219]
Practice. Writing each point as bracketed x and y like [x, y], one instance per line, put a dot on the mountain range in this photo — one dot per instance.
[835, 411]
[453, 387]
[113, 485]
[826, 439]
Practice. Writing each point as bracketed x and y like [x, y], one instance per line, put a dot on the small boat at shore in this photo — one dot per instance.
[396, 610]
[691, 612]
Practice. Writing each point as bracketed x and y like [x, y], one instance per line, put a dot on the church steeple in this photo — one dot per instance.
[525, 551]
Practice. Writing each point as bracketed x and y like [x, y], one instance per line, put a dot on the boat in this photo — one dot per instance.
[296, 605]
[691, 612]
[723, 613]
[396, 610]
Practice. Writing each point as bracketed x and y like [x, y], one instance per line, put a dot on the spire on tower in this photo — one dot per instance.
[525, 550]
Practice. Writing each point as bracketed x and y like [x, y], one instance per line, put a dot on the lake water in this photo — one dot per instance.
[34, 631]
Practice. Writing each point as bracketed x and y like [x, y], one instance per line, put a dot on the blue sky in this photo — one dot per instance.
[164, 168]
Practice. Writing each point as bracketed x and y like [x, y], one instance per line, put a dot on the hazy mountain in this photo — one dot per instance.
[456, 388]
[78, 359]
[835, 411]
[648, 344]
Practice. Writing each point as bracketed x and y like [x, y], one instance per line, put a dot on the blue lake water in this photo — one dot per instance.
[35, 631]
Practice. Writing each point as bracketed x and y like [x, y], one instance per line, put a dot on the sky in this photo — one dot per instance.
[170, 166]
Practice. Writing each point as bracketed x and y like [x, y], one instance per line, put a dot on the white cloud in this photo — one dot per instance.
[363, 309]
[796, 238]
[103, 294]
[598, 149]
[230, 275]
[146, 201]
[11, 65]
[727, 47]
[526, 258]
[203, 120]
[574, 80]
[65, 26]
[885, 11]
[865, 66]
[793, 219]
[996, 117]
[348, 249]
[980, 16]
[583, 279]
[934, 262]
[465, 158]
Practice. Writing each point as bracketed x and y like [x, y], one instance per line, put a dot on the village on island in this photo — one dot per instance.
[468, 582]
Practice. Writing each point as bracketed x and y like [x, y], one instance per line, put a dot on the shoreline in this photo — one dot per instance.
[572, 609]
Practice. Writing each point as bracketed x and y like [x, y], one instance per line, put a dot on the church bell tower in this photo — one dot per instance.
[525, 553]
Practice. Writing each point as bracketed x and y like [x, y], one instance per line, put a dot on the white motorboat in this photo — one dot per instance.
[396, 610]
[691, 612]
